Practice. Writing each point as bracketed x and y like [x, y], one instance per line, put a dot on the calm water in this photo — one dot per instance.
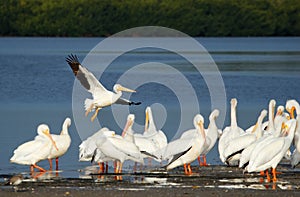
[36, 86]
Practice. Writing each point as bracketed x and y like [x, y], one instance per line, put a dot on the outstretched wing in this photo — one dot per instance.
[86, 78]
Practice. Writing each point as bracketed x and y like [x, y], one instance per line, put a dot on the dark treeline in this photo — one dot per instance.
[193, 17]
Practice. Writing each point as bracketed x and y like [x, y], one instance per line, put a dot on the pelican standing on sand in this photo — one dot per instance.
[101, 96]
[62, 141]
[230, 133]
[271, 154]
[185, 150]
[36, 150]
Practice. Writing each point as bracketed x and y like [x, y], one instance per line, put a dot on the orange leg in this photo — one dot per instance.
[101, 166]
[274, 174]
[199, 160]
[262, 173]
[38, 167]
[56, 162]
[204, 160]
[50, 164]
[267, 175]
[185, 169]
[189, 169]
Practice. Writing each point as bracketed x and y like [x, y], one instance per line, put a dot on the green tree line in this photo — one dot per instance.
[193, 17]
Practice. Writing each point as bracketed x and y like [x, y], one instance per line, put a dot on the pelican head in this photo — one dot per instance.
[272, 104]
[43, 129]
[280, 110]
[233, 102]
[198, 120]
[67, 122]
[263, 113]
[120, 88]
[290, 106]
[129, 123]
[214, 114]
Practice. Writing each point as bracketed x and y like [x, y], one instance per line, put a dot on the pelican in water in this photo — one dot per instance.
[230, 133]
[271, 153]
[212, 133]
[36, 150]
[101, 96]
[62, 141]
[185, 150]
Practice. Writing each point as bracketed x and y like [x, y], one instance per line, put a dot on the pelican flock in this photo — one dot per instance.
[259, 148]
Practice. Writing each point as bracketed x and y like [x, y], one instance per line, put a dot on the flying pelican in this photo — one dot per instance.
[101, 96]
[229, 133]
[36, 150]
[271, 154]
[212, 133]
[186, 150]
[62, 141]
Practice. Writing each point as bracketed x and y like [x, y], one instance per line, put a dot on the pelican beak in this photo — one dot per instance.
[146, 121]
[200, 123]
[128, 123]
[285, 128]
[254, 128]
[279, 113]
[121, 88]
[47, 133]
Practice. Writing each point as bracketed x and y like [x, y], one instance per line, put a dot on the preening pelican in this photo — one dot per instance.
[245, 155]
[101, 96]
[186, 150]
[230, 133]
[271, 154]
[117, 148]
[291, 106]
[36, 150]
[88, 149]
[212, 134]
[62, 141]
[157, 136]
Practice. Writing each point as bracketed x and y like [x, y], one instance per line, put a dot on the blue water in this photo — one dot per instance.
[36, 86]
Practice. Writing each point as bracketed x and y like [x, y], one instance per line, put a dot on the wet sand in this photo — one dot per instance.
[207, 181]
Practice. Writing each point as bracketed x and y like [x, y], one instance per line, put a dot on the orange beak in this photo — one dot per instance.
[47, 133]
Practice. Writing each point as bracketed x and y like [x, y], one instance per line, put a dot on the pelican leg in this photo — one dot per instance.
[185, 169]
[274, 174]
[106, 167]
[267, 175]
[95, 114]
[120, 168]
[89, 110]
[199, 160]
[262, 173]
[204, 160]
[50, 164]
[38, 167]
[189, 169]
[56, 162]
[31, 169]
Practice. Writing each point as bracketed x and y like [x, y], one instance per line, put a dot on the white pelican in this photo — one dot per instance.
[245, 155]
[229, 133]
[271, 154]
[101, 96]
[36, 150]
[117, 148]
[186, 150]
[212, 133]
[291, 106]
[62, 141]
[238, 144]
[87, 149]
[146, 145]
[157, 136]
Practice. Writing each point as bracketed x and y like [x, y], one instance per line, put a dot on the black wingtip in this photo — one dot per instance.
[73, 62]
[135, 103]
